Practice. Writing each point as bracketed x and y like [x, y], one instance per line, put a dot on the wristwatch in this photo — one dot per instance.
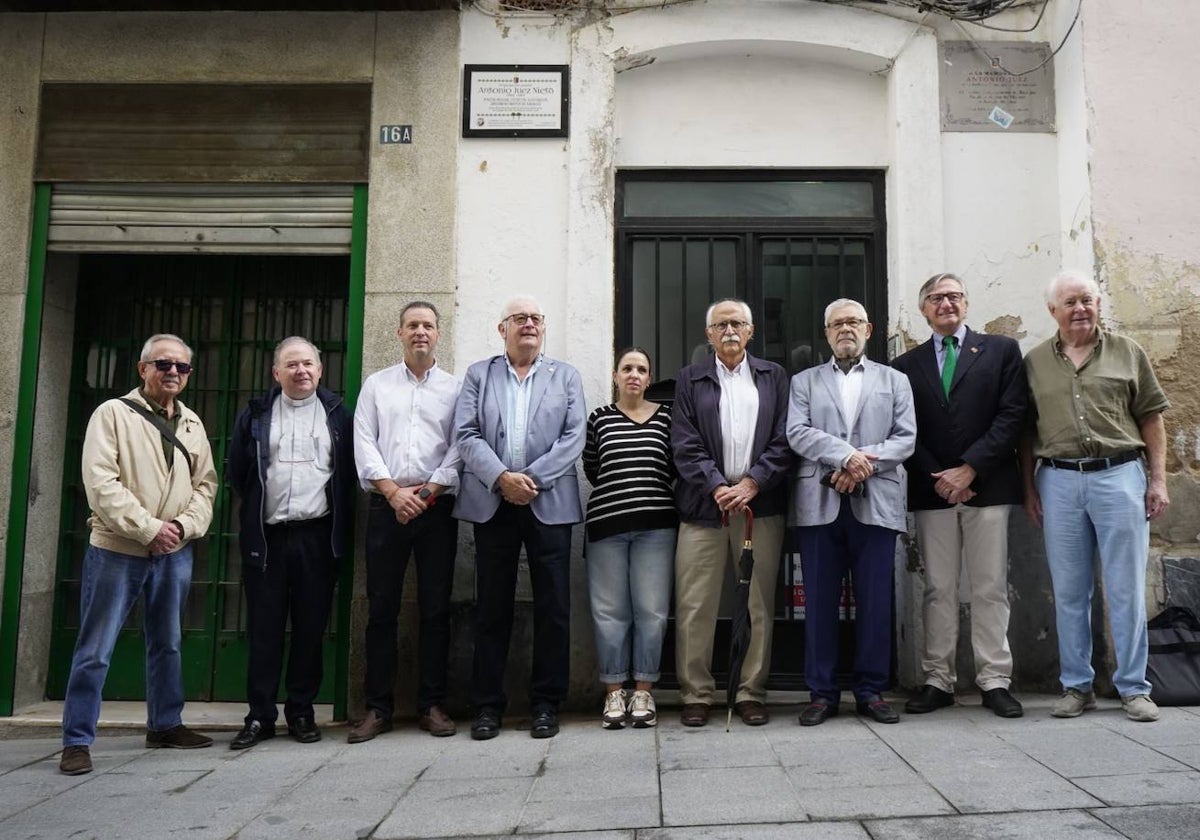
[424, 494]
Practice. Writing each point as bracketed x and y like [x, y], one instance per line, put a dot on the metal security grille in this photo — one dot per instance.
[788, 243]
[231, 310]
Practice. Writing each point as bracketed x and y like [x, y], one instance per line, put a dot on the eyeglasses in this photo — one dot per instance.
[165, 365]
[523, 318]
[936, 299]
[722, 326]
[853, 323]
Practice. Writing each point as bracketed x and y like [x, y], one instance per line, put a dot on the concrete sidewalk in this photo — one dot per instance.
[960, 772]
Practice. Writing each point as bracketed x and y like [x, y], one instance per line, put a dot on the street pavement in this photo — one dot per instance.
[957, 773]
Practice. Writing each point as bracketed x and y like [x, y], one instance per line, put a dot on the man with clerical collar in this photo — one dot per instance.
[727, 436]
[520, 426]
[291, 462]
[970, 394]
[149, 478]
[404, 447]
[851, 422]
[1096, 430]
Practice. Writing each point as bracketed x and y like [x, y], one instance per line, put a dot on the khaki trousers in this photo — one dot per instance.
[974, 539]
[702, 556]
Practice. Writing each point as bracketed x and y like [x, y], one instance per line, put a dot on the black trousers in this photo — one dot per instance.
[433, 539]
[298, 581]
[497, 553]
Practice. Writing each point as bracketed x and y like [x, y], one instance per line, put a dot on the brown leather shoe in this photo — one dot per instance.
[694, 714]
[752, 712]
[437, 722]
[75, 761]
[370, 726]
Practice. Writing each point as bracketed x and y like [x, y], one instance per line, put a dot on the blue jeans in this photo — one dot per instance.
[1083, 513]
[629, 587]
[111, 584]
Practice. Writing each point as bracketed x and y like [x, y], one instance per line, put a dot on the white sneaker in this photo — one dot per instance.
[1073, 703]
[642, 710]
[614, 710]
[1140, 707]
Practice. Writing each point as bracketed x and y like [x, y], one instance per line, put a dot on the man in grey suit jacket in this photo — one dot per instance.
[519, 425]
[851, 422]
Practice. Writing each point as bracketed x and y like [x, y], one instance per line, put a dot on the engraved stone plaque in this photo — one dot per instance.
[980, 90]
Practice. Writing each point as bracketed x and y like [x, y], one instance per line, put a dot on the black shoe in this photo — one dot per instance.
[929, 699]
[877, 710]
[818, 711]
[544, 724]
[251, 734]
[1002, 703]
[486, 725]
[304, 729]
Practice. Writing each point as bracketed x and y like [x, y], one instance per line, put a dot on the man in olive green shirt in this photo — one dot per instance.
[1095, 413]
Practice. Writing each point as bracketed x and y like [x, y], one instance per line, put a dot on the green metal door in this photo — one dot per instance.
[231, 309]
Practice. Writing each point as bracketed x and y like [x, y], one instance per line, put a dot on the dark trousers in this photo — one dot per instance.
[497, 551]
[433, 539]
[826, 552]
[298, 581]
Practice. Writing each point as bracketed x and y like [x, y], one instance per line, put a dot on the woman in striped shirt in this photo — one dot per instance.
[631, 525]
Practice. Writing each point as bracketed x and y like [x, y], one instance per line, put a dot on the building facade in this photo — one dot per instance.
[225, 175]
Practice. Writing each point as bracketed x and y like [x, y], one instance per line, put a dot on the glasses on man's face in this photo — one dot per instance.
[722, 326]
[852, 323]
[523, 318]
[165, 365]
[936, 299]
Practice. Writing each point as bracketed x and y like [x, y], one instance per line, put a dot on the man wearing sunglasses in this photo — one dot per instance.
[291, 461]
[519, 425]
[149, 478]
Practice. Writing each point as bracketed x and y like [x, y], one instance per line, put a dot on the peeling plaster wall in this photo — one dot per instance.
[1139, 64]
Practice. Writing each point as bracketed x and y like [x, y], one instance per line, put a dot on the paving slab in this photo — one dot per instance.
[863, 801]
[681, 748]
[781, 831]
[457, 807]
[1188, 754]
[583, 815]
[1059, 825]
[500, 757]
[1173, 727]
[1090, 750]
[828, 764]
[1144, 788]
[1155, 822]
[723, 795]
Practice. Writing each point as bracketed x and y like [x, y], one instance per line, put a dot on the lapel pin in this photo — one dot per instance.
[974, 349]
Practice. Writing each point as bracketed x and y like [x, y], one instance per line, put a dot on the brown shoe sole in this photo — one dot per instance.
[359, 736]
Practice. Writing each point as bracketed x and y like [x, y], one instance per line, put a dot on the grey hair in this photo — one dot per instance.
[840, 302]
[745, 309]
[154, 339]
[934, 280]
[288, 342]
[1069, 275]
[504, 313]
[421, 304]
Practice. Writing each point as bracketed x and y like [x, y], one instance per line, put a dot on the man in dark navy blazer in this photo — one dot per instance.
[970, 394]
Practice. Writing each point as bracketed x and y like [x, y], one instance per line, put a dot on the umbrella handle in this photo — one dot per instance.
[748, 533]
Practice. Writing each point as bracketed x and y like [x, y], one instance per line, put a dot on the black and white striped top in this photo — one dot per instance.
[629, 465]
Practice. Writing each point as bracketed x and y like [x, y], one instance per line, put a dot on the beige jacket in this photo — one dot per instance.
[130, 487]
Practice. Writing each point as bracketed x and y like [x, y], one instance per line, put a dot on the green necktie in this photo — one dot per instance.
[951, 345]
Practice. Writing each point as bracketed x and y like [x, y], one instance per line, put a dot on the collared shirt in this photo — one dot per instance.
[939, 346]
[739, 417]
[1092, 411]
[850, 383]
[404, 428]
[172, 424]
[301, 461]
[517, 392]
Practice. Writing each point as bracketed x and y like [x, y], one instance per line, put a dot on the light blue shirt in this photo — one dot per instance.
[940, 348]
[516, 413]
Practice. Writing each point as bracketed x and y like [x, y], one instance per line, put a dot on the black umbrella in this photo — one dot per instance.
[739, 637]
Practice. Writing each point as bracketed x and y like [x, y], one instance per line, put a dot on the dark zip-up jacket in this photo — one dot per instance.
[249, 457]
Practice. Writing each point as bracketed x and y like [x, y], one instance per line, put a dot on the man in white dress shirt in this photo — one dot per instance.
[291, 462]
[407, 458]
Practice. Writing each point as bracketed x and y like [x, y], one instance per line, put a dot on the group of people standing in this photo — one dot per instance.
[838, 453]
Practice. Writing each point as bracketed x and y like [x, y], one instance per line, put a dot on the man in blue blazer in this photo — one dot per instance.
[519, 425]
[970, 393]
[851, 422]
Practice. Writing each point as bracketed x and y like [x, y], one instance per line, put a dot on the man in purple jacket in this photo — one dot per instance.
[730, 444]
